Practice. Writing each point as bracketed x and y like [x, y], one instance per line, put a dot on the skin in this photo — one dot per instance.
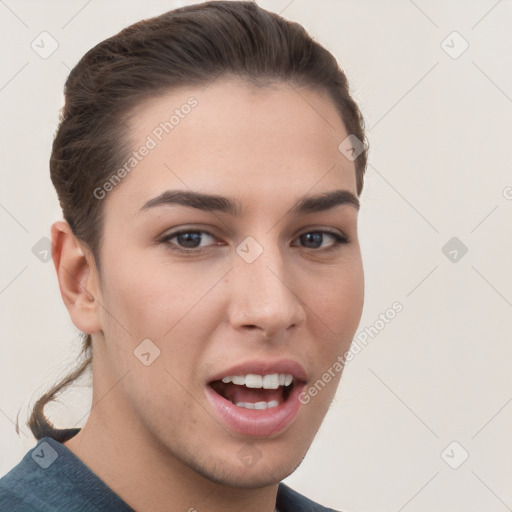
[152, 436]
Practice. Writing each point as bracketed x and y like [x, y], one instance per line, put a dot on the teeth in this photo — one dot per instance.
[270, 381]
[253, 381]
[258, 405]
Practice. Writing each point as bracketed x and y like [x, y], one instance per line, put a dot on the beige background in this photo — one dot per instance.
[440, 131]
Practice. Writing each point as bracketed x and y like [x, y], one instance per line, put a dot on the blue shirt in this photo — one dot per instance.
[51, 478]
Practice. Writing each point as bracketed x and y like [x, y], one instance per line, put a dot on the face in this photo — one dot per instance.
[244, 299]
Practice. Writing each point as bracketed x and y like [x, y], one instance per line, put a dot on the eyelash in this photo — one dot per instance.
[338, 241]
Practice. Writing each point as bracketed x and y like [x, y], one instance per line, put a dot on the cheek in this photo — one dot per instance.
[152, 296]
[147, 304]
[172, 306]
[336, 312]
[339, 302]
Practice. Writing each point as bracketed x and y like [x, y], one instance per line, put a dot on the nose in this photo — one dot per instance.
[263, 296]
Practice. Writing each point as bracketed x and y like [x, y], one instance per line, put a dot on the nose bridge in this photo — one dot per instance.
[262, 294]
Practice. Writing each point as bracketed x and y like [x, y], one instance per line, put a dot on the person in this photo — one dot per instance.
[209, 163]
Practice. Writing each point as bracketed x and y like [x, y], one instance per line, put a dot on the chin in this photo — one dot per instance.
[247, 464]
[261, 474]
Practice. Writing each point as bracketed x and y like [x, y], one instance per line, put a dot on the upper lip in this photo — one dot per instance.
[262, 367]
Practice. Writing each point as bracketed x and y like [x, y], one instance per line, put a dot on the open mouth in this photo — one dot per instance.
[258, 398]
[254, 391]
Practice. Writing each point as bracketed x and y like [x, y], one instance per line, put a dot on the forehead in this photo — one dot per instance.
[235, 139]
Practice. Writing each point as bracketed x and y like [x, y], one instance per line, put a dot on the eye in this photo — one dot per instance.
[188, 240]
[316, 239]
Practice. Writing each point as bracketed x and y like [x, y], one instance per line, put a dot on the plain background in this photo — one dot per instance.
[440, 131]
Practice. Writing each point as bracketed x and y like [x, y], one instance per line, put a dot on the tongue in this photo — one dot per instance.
[237, 394]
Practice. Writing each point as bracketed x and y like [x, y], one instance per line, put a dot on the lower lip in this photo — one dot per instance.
[257, 422]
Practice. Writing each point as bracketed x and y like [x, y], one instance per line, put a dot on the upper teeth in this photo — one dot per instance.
[271, 381]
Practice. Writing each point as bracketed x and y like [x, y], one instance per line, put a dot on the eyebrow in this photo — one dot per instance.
[211, 202]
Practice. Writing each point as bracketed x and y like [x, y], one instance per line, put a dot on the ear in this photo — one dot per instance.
[78, 278]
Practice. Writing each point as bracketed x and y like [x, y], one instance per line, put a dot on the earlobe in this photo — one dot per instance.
[76, 274]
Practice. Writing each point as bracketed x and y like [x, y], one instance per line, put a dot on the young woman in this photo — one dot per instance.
[208, 164]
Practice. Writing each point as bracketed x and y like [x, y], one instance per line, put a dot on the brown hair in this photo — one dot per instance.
[189, 46]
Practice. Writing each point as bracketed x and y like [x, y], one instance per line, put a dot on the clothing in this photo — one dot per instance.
[51, 478]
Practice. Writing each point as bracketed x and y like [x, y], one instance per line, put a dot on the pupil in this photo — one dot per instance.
[316, 238]
[189, 240]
